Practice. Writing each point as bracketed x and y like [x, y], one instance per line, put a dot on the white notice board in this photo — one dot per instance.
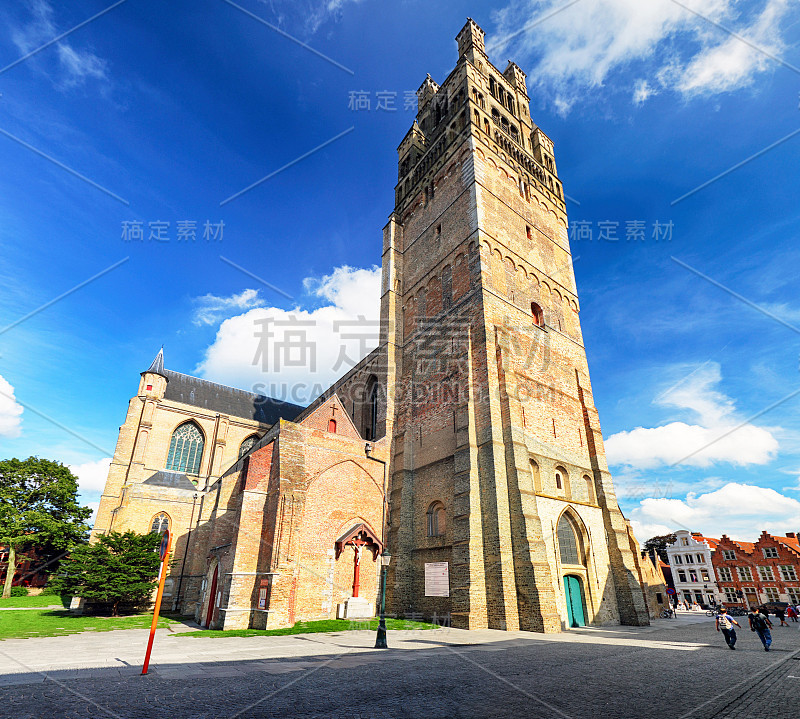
[437, 579]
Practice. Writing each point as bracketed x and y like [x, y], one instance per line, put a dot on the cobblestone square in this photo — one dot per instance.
[676, 668]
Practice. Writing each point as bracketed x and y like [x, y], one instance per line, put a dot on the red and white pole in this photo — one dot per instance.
[166, 542]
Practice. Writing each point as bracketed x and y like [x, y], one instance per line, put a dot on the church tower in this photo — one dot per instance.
[503, 512]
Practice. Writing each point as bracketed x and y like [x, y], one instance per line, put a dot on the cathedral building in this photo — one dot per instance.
[467, 443]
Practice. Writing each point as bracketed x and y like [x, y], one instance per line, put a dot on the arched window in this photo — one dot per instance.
[568, 542]
[589, 488]
[160, 523]
[332, 426]
[562, 482]
[185, 449]
[247, 445]
[538, 315]
[537, 478]
[370, 408]
[437, 521]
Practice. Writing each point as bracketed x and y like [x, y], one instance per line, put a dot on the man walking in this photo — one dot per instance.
[760, 624]
[725, 624]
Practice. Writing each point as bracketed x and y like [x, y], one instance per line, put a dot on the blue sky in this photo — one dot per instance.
[168, 110]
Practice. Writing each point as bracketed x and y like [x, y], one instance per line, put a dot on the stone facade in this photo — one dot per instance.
[486, 460]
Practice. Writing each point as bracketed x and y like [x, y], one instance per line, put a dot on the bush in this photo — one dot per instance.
[19, 592]
[49, 591]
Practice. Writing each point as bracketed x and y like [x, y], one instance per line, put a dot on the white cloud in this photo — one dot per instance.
[641, 91]
[272, 350]
[717, 438]
[582, 46]
[10, 411]
[94, 506]
[741, 511]
[91, 475]
[211, 309]
[76, 65]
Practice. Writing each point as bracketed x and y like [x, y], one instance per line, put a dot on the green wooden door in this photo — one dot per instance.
[574, 597]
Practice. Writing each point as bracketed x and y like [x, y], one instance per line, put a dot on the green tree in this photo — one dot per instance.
[117, 569]
[659, 543]
[38, 507]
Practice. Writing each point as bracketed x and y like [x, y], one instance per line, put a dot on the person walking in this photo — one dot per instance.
[724, 623]
[791, 612]
[780, 612]
[760, 624]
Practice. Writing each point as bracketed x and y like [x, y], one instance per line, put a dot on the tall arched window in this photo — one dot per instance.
[370, 408]
[437, 520]
[247, 445]
[589, 488]
[160, 523]
[568, 542]
[186, 449]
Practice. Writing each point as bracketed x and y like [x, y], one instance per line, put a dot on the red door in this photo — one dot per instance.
[212, 598]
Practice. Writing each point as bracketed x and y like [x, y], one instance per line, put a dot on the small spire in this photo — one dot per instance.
[157, 365]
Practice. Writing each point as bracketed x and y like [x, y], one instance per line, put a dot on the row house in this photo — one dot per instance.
[752, 573]
[691, 566]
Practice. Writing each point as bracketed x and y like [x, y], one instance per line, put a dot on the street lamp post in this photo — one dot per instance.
[380, 640]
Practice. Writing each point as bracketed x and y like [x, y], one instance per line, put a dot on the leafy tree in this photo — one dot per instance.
[117, 569]
[660, 544]
[38, 507]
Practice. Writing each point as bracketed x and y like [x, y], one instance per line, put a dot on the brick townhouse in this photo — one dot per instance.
[765, 571]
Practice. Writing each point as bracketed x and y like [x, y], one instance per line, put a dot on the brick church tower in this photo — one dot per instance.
[499, 481]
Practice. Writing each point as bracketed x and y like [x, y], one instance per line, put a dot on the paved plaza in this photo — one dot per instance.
[675, 668]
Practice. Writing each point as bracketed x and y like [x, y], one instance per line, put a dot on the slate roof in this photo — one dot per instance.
[157, 365]
[226, 400]
[173, 480]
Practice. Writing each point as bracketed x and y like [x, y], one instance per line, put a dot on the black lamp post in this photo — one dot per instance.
[380, 640]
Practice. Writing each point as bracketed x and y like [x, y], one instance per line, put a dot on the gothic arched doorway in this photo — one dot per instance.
[212, 597]
[573, 592]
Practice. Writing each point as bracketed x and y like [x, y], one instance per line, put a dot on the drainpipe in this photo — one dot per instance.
[177, 601]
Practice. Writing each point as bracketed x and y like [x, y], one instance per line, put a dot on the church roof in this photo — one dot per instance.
[226, 400]
[174, 480]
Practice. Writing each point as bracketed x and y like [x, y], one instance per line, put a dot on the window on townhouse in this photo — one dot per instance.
[728, 554]
[765, 574]
[788, 572]
[705, 576]
[678, 559]
[745, 574]
[689, 559]
[684, 542]
[770, 552]
[772, 593]
[794, 595]
[730, 595]
[682, 576]
[701, 559]
[725, 574]
[693, 575]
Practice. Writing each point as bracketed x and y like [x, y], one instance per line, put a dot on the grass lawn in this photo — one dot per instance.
[46, 600]
[325, 625]
[25, 624]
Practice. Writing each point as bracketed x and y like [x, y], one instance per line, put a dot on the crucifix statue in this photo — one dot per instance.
[360, 537]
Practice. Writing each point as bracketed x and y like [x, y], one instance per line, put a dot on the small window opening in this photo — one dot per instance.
[332, 426]
[538, 315]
